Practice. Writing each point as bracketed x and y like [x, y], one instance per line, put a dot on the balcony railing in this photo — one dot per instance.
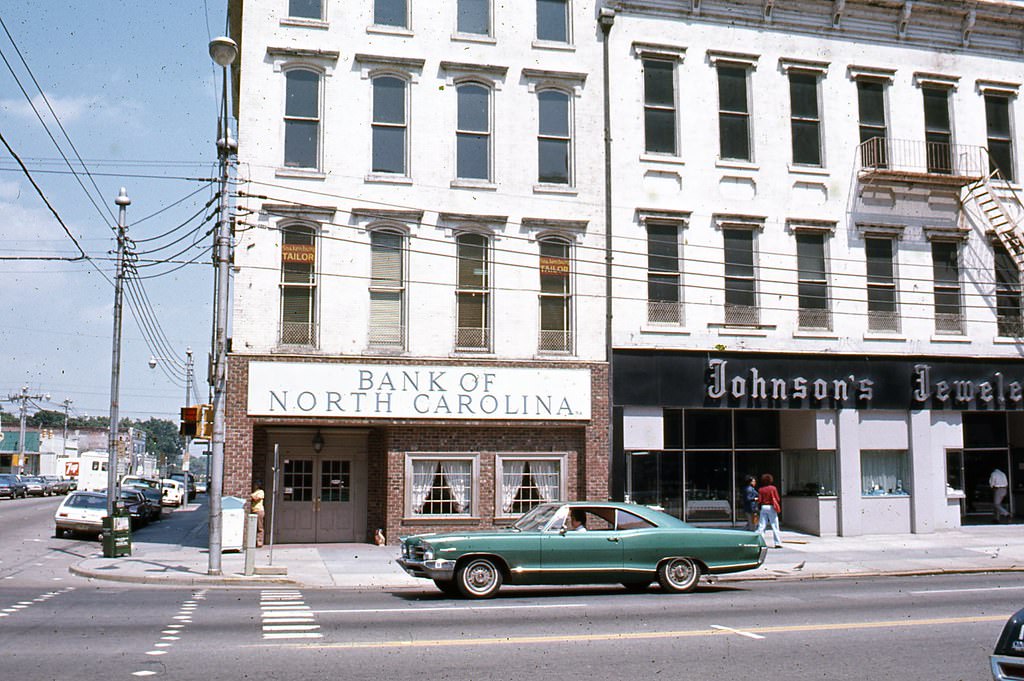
[881, 157]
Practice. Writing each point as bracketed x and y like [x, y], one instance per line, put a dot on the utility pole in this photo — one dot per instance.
[189, 373]
[122, 202]
[223, 51]
[23, 397]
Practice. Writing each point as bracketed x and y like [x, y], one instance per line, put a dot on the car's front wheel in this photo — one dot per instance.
[479, 578]
[679, 575]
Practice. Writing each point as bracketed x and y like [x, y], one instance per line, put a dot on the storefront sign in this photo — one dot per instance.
[550, 265]
[961, 392]
[753, 386]
[303, 254]
[417, 391]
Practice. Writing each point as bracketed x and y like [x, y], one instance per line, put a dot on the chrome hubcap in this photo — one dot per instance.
[480, 577]
[680, 572]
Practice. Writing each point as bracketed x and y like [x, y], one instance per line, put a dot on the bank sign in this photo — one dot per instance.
[417, 391]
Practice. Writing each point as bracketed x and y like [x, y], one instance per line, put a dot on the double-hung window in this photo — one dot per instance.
[805, 118]
[812, 284]
[555, 296]
[474, 17]
[733, 112]
[1008, 293]
[663, 274]
[441, 485]
[553, 20]
[298, 285]
[390, 125]
[1000, 139]
[873, 129]
[473, 132]
[554, 138]
[938, 133]
[528, 480]
[391, 13]
[659, 107]
[883, 313]
[946, 272]
[740, 277]
[302, 119]
[473, 293]
[305, 9]
[387, 289]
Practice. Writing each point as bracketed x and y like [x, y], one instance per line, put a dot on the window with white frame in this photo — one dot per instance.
[874, 131]
[441, 485]
[805, 118]
[305, 9]
[659, 106]
[527, 481]
[474, 17]
[473, 292]
[553, 20]
[391, 13]
[733, 112]
[812, 281]
[387, 289]
[1008, 293]
[946, 276]
[390, 125]
[302, 119]
[938, 132]
[885, 472]
[555, 295]
[1000, 137]
[298, 285]
[473, 132]
[883, 311]
[664, 304]
[554, 138]
[740, 277]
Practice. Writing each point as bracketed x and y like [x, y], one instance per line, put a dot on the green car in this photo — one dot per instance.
[581, 543]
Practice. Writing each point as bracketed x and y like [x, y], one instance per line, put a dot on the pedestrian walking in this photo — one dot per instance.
[750, 505]
[771, 505]
[256, 501]
[1000, 485]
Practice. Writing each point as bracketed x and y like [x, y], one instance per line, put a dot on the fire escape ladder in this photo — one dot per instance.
[998, 216]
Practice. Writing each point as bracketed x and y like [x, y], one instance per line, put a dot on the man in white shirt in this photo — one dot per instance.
[999, 484]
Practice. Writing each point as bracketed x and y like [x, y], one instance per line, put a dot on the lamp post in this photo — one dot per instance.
[122, 202]
[223, 51]
[189, 375]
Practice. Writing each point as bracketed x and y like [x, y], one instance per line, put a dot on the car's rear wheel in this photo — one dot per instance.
[447, 587]
[679, 575]
[59, 533]
[479, 578]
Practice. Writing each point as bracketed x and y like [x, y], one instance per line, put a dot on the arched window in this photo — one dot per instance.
[555, 296]
[554, 138]
[390, 125]
[387, 289]
[472, 293]
[298, 285]
[302, 119]
[473, 132]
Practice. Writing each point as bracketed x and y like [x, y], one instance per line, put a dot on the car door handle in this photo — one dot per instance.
[614, 539]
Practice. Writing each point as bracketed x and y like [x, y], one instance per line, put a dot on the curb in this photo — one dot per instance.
[182, 580]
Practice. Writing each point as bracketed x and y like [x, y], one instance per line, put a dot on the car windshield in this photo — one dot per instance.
[86, 501]
[536, 519]
[6, 478]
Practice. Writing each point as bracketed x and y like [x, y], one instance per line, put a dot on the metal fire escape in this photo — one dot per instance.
[996, 209]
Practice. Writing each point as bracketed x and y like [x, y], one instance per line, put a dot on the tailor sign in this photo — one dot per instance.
[394, 391]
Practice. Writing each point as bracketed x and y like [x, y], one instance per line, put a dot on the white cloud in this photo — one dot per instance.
[70, 109]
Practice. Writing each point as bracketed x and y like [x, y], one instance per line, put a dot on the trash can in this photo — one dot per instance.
[232, 525]
[117, 534]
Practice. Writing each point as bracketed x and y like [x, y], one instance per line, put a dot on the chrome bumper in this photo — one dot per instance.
[1005, 668]
[442, 570]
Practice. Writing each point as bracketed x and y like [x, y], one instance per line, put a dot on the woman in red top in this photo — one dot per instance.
[771, 505]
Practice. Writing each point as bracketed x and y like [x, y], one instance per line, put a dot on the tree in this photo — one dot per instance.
[45, 418]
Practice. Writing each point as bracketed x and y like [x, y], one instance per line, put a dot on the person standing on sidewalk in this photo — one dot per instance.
[999, 484]
[771, 505]
[750, 505]
[256, 501]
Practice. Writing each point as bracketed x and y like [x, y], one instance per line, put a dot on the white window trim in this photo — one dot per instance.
[568, 43]
[321, 74]
[485, 183]
[675, 60]
[556, 187]
[314, 286]
[499, 460]
[485, 231]
[473, 457]
[307, 22]
[569, 297]
[402, 230]
[378, 176]
[475, 37]
[819, 75]
[405, 30]
[748, 63]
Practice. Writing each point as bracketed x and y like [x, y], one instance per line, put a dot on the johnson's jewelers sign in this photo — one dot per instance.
[417, 391]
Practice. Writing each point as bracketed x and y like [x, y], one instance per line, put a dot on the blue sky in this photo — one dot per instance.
[134, 87]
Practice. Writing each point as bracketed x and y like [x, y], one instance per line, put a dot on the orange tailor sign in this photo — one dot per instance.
[298, 253]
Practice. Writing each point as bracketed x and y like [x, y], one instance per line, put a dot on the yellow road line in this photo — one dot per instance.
[649, 635]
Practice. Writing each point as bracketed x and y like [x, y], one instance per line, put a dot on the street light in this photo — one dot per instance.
[223, 51]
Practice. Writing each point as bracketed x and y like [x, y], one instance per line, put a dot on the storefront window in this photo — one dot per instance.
[884, 471]
[810, 473]
[708, 429]
[441, 486]
[527, 482]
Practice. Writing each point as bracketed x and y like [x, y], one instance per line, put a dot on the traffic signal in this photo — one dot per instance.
[204, 425]
[189, 421]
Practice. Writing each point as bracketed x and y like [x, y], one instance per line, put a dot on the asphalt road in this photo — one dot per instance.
[55, 626]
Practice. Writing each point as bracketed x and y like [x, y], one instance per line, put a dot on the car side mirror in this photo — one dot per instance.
[562, 531]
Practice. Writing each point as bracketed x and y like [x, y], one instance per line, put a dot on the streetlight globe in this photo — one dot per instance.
[223, 50]
[152, 362]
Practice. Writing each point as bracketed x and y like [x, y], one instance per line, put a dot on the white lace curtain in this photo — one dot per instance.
[511, 481]
[457, 476]
[422, 479]
[547, 478]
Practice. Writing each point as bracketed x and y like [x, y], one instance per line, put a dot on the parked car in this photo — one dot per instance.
[154, 506]
[12, 486]
[81, 512]
[1008, 656]
[57, 484]
[581, 543]
[137, 505]
[37, 487]
[173, 493]
[141, 480]
[189, 481]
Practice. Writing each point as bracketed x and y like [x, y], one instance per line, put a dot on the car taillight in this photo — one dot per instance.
[63, 515]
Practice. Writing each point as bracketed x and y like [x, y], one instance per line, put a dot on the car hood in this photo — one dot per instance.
[436, 538]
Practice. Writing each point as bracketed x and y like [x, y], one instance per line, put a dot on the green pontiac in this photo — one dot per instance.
[581, 543]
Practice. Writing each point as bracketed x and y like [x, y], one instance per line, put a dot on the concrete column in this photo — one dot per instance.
[927, 474]
[848, 470]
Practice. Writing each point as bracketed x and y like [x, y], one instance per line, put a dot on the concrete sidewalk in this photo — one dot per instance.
[173, 551]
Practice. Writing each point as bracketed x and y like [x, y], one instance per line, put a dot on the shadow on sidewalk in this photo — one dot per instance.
[187, 526]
